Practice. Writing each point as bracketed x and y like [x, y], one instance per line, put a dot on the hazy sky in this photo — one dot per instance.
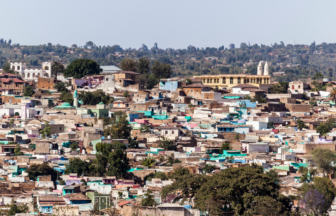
[170, 23]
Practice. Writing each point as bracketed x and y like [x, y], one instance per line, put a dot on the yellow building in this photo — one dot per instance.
[230, 80]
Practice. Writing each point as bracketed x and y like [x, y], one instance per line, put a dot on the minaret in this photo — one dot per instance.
[259, 69]
[75, 103]
[266, 69]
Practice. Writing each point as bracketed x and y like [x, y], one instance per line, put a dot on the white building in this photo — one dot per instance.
[31, 74]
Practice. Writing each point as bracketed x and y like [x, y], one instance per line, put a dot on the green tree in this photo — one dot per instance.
[324, 159]
[325, 187]
[225, 146]
[260, 99]
[242, 190]
[35, 170]
[188, 81]
[151, 81]
[270, 124]
[148, 162]
[76, 165]
[118, 163]
[274, 175]
[145, 129]
[82, 67]
[46, 131]
[17, 150]
[161, 70]
[143, 66]
[28, 91]
[301, 124]
[128, 64]
[57, 68]
[126, 94]
[159, 175]
[93, 98]
[167, 144]
[67, 97]
[16, 209]
[148, 199]
[208, 168]
[305, 177]
[237, 136]
[74, 146]
[17, 114]
[179, 173]
[60, 87]
[120, 128]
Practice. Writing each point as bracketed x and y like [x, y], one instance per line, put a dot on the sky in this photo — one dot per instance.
[171, 23]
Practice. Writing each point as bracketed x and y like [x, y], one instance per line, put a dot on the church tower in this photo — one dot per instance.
[266, 69]
[259, 72]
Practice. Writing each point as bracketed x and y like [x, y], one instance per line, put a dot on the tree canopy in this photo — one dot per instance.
[36, 170]
[28, 91]
[82, 67]
[120, 128]
[243, 190]
[57, 68]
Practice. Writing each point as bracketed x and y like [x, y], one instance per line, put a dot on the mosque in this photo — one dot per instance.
[230, 80]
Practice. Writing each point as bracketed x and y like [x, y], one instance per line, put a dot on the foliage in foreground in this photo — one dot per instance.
[244, 190]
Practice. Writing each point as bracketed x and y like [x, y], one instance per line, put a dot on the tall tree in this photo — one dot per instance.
[82, 67]
[161, 70]
[128, 64]
[57, 68]
[28, 91]
[120, 128]
[35, 170]
[243, 190]
[143, 66]
[118, 163]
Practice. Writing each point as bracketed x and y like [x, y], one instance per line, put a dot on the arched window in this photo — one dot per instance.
[231, 80]
[203, 80]
[299, 86]
[46, 68]
[28, 75]
[13, 68]
[224, 80]
[238, 80]
[33, 75]
[265, 80]
[208, 80]
[18, 67]
[248, 80]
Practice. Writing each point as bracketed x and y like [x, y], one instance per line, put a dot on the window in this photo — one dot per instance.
[18, 67]
[238, 80]
[106, 79]
[224, 80]
[292, 86]
[299, 86]
[203, 80]
[191, 90]
[231, 80]
[208, 81]
[166, 132]
[172, 132]
[60, 128]
[265, 80]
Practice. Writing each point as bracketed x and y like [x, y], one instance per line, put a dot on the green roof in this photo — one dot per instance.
[101, 103]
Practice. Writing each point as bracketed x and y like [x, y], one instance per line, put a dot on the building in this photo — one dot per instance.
[109, 69]
[195, 90]
[230, 80]
[45, 83]
[126, 78]
[31, 74]
[12, 86]
[297, 87]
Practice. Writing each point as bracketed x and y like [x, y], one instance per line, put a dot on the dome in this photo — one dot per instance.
[66, 104]
[101, 103]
